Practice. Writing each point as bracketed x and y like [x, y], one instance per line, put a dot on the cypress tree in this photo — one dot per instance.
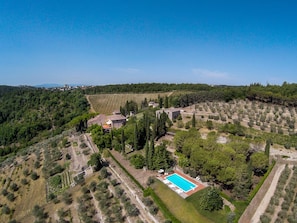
[160, 100]
[147, 126]
[166, 103]
[193, 121]
[151, 155]
[123, 142]
[267, 147]
[146, 149]
[135, 137]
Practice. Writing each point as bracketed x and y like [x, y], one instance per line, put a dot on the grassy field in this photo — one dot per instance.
[179, 207]
[215, 216]
[107, 103]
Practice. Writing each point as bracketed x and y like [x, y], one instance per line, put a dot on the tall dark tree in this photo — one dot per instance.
[150, 155]
[135, 141]
[243, 183]
[267, 147]
[161, 127]
[166, 102]
[160, 101]
[161, 158]
[193, 121]
[146, 150]
[123, 141]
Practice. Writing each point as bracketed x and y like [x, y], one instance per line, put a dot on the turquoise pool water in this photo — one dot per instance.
[181, 182]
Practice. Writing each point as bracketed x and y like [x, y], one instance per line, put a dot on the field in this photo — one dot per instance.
[258, 115]
[38, 175]
[183, 210]
[20, 191]
[38, 185]
[107, 103]
[282, 206]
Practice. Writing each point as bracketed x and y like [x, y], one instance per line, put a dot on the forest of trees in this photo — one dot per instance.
[29, 114]
[231, 165]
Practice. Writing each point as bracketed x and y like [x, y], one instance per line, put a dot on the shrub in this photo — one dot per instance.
[118, 191]
[114, 182]
[150, 181]
[147, 201]
[138, 161]
[131, 209]
[51, 196]
[37, 165]
[10, 197]
[5, 209]
[4, 192]
[93, 186]
[153, 210]
[24, 181]
[265, 219]
[34, 176]
[26, 172]
[103, 173]
[67, 198]
[211, 200]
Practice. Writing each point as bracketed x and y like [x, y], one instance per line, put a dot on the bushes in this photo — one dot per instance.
[5, 210]
[67, 198]
[138, 161]
[34, 176]
[211, 200]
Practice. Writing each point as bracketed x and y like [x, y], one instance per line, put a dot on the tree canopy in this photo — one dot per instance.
[28, 114]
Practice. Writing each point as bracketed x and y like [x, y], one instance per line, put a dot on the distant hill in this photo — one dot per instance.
[53, 85]
[48, 85]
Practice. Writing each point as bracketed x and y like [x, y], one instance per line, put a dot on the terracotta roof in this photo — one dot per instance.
[116, 117]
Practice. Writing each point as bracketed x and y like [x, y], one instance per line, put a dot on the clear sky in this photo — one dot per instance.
[108, 42]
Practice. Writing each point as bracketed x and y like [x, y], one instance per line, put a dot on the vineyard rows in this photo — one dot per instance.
[107, 103]
[66, 179]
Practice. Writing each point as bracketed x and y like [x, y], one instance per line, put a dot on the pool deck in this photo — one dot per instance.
[199, 185]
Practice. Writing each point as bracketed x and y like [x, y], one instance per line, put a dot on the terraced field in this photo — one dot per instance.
[107, 103]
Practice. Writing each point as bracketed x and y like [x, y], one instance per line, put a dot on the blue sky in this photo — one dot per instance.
[110, 42]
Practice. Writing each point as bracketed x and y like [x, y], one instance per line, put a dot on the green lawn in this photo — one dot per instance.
[182, 209]
[215, 216]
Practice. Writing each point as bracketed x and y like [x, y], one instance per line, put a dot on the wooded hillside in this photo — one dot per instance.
[29, 113]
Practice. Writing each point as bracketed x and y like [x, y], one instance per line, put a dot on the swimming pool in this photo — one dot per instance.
[181, 182]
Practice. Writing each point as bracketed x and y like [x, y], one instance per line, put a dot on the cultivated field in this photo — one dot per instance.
[253, 114]
[107, 103]
[282, 206]
[43, 184]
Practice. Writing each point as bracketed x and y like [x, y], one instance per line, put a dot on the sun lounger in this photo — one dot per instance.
[166, 181]
[179, 191]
